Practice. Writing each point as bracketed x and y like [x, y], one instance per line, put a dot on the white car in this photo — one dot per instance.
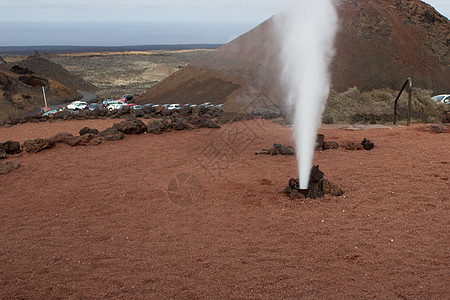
[444, 99]
[174, 106]
[115, 106]
[78, 105]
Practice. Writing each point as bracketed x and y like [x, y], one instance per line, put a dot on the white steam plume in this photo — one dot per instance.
[306, 30]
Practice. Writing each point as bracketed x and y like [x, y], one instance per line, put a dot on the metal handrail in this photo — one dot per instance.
[408, 83]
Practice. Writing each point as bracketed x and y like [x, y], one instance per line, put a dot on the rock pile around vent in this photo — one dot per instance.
[318, 186]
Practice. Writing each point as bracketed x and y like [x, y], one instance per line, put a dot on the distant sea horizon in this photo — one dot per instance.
[64, 49]
[118, 33]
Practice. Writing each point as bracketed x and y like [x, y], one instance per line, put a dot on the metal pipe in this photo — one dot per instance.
[45, 98]
[409, 101]
[408, 81]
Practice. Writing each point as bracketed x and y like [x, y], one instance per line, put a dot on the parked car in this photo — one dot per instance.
[206, 104]
[445, 99]
[136, 106]
[174, 106]
[127, 97]
[93, 106]
[219, 106]
[115, 106]
[116, 102]
[149, 105]
[77, 105]
[165, 106]
[50, 112]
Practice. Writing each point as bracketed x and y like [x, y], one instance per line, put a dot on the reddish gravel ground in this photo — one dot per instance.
[120, 220]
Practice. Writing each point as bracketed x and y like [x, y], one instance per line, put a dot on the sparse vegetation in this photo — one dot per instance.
[377, 107]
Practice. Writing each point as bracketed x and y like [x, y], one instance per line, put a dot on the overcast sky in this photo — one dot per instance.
[135, 22]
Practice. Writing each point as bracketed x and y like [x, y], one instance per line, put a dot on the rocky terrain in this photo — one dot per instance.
[129, 72]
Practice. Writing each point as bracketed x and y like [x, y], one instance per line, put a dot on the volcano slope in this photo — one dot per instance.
[379, 45]
[21, 85]
[120, 220]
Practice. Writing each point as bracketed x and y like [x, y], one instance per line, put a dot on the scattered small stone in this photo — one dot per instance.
[2, 154]
[6, 167]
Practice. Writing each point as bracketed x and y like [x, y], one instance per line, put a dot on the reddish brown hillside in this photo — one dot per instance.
[20, 93]
[193, 85]
[379, 44]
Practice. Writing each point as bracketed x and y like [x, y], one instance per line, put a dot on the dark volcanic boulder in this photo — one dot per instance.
[316, 175]
[69, 139]
[353, 146]
[330, 145]
[166, 112]
[317, 186]
[61, 137]
[368, 145]
[131, 126]
[278, 149]
[10, 147]
[86, 130]
[147, 109]
[37, 145]
[320, 140]
[111, 134]
[124, 110]
[7, 167]
[209, 123]
[315, 192]
[331, 188]
[180, 124]
[159, 126]
[139, 113]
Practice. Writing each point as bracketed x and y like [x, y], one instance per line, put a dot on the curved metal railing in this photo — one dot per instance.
[408, 83]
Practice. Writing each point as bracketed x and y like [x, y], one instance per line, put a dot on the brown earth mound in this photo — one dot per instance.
[21, 85]
[45, 67]
[192, 85]
[20, 93]
[379, 45]
[196, 214]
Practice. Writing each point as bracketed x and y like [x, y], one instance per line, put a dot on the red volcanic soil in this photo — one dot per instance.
[119, 220]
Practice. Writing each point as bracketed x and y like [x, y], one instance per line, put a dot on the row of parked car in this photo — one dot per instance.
[112, 104]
